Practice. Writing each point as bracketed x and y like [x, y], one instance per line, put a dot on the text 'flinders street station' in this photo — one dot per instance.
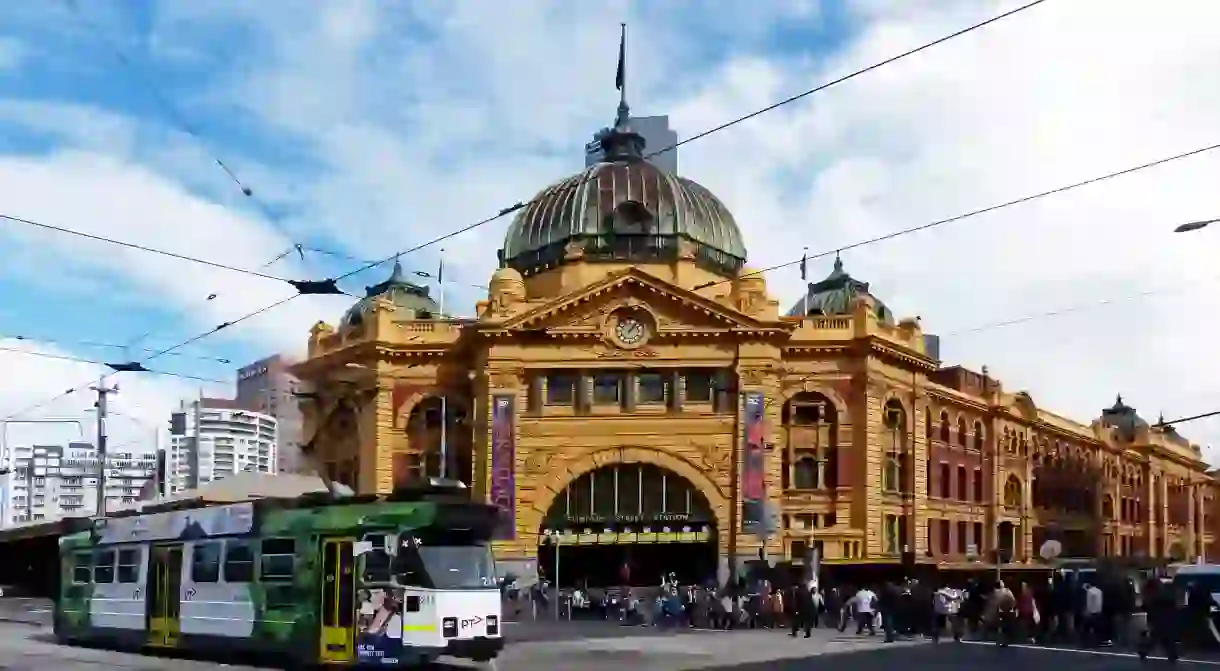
[630, 394]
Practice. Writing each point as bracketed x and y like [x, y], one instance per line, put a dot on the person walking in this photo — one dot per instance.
[1161, 606]
[804, 610]
[947, 603]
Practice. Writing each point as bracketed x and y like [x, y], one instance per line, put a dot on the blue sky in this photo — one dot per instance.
[367, 127]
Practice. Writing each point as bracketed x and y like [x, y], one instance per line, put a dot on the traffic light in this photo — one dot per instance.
[177, 424]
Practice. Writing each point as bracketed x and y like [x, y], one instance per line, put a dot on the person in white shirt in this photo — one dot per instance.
[947, 602]
[865, 604]
[1094, 618]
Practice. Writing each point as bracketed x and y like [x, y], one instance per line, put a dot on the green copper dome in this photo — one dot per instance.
[835, 294]
[411, 301]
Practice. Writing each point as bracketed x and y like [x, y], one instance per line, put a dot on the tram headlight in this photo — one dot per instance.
[493, 625]
[449, 627]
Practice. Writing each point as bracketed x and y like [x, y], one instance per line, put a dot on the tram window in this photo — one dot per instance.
[205, 562]
[239, 561]
[103, 567]
[129, 565]
[278, 559]
[82, 568]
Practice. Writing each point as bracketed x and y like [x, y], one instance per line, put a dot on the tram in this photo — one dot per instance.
[387, 581]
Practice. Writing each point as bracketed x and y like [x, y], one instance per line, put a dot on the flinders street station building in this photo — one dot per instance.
[630, 394]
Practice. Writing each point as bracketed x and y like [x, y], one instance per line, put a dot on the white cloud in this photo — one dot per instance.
[139, 410]
[425, 118]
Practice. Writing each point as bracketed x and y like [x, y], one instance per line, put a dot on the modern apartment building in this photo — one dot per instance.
[657, 135]
[50, 482]
[265, 386]
[213, 438]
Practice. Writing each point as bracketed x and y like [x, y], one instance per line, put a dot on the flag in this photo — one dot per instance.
[804, 264]
[621, 78]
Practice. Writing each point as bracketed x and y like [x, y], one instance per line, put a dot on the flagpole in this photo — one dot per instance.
[804, 283]
[440, 303]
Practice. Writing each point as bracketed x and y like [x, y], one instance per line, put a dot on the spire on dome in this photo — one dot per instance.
[620, 143]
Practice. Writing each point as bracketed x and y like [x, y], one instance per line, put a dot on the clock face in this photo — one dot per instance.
[629, 331]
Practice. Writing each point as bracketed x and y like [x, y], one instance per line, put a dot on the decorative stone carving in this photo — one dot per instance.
[504, 378]
[755, 376]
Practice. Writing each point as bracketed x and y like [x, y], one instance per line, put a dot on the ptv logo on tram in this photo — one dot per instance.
[471, 622]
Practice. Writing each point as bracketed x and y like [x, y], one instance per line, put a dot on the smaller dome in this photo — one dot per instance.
[835, 295]
[411, 301]
[506, 275]
[1123, 418]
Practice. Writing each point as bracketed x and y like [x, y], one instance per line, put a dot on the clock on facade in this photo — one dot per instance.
[629, 330]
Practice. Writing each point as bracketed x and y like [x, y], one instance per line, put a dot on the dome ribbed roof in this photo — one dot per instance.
[834, 296]
[626, 207]
[410, 300]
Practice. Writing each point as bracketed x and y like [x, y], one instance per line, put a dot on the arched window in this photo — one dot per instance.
[811, 453]
[962, 437]
[896, 475]
[1012, 492]
[979, 436]
[944, 428]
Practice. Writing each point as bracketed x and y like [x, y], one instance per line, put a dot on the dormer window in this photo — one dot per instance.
[630, 216]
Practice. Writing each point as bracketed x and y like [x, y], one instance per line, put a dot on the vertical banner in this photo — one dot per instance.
[503, 488]
[753, 467]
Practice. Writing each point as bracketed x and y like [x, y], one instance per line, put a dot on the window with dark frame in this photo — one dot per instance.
[82, 567]
[103, 567]
[561, 388]
[239, 561]
[651, 386]
[700, 386]
[278, 559]
[608, 388]
[205, 562]
[129, 565]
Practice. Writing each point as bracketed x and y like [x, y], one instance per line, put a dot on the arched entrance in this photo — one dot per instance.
[638, 515]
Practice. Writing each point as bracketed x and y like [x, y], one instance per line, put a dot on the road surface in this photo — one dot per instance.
[610, 648]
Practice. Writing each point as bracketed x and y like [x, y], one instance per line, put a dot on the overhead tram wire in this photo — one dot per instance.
[349, 257]
[176, 117]
[105, 345]
[77, 359]
[711, 131]
[332, 282]
[968, 215]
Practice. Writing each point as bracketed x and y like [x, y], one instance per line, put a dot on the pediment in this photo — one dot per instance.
[672, 308]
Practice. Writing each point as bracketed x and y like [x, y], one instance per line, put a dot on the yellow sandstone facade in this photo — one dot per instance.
[628, 381]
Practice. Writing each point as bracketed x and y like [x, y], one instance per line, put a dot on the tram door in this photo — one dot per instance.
[338, 631]
[164, 595]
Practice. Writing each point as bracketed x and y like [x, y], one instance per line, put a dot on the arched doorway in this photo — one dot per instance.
[639, 516]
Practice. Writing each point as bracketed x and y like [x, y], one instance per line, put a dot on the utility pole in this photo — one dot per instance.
[103, 392]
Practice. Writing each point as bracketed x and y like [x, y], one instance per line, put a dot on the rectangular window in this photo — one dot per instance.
[103, 567]
[961, 538]
[977, 538]
[944, 536]
[561, 388]
[278, 559]
[651, 388]
[129, 565]
[205, 562]
[946, 483]
[82, 567]
[961, 483]
[607, 389]
[978, 485]
[239, 561]
[699, 386]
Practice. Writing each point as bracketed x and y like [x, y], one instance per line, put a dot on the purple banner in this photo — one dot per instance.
[753, 466]
[503, 490]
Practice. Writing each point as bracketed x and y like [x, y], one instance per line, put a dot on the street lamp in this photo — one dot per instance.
[555, 537]
[1194, 225]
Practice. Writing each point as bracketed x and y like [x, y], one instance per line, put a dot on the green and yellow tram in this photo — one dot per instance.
[363, 581]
